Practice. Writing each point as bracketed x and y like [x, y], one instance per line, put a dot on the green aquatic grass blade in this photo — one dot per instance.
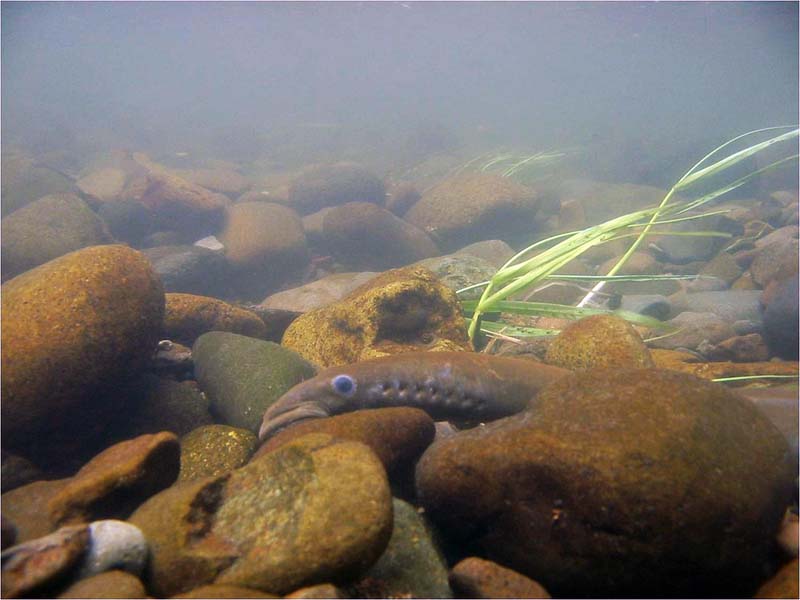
[747, 377]
[516, 331]
[732, 160]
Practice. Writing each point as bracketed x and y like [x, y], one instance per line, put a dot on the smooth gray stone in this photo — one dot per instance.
[114, 545]
[731, 305]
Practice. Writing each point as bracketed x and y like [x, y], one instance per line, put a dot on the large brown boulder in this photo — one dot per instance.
[402, 310]
[46, 229]
[71, 328]
[619, 482]
[264, 244]
[477, 206]
[319, 186]
[366, 236]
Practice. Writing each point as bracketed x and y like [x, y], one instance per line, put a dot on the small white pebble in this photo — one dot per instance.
[114, 545]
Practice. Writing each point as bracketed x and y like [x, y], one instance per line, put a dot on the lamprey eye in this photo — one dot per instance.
[344, 385]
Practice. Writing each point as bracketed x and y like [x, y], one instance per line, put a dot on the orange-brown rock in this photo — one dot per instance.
[187, 317]
[478, 578]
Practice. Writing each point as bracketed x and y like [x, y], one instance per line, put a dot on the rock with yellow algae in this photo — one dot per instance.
[598, 341]
[313, 511]
[214, 450]
[71, 328]
[187, 317]
[402, 310]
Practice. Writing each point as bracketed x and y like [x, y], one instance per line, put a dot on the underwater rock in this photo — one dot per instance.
[35, 567]
[216, 590]
[26, 508]
[474, 207]
[319, 186]
[478, 578]
[740, 348]
[496, 252]
[153, 404]
[640, 464]
[264, 244]
[598, 341]
[187, 317]
[177, 203]
[24, 181]
[398, 436]
[729, 305]
[117, 480]
[401, 196]
[681, 250]
[104, 184]
[784, 584]
[458, 271]
[692, 328]
[321, 590]
[317, 294]
[214, 450]
[723, 266]
[17, 471]
[776, 261]
[243, 376]
[114, 544]
[223, 181]
[412, 566]
[190, 270]
[651, 305]
[46, 229]
[128, 221]
[691, 363]
[312, 511]
[110, 584]
[365, 236]
[781, 317]
[401, 310]
[71, 328]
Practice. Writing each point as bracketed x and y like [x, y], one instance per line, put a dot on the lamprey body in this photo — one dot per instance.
[446, 385]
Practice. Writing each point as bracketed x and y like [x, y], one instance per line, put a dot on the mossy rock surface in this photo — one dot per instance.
[616, 481]
[71, 328]
[402, 310]
[187, 317]
[316, 510]
[243, 376]
[46, 229]
[319, 186]
[473, 207]
[215, 450]
[598, 341]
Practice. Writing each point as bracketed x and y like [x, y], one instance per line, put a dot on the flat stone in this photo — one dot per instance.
[118, 479]
[39, 564]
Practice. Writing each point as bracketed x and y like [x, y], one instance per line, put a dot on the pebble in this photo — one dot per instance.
[114, 545]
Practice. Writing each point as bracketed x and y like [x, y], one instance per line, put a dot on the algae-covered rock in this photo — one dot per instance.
[402, 310]
[598, 341]
[111, 584]
[105, 184]
[190, 269]
[24, 181]
[187, 317]
[264, 244]
[71, 328]
[473, 207]
[475, 577]
[366, 236]
[215, 450]
[459, 270]
[316, 510]
[46, 229]
[243, 376]
[412, 566]
[614, 482]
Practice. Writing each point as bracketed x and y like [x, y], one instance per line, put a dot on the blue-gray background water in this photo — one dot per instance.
[643, 89]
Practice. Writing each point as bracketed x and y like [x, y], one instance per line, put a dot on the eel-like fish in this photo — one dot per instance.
[446, 385]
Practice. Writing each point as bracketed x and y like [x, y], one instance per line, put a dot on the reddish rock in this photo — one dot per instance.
[397, 435]
[323, 590]
[39, 564]
[26, 508]
[478, 578]
[784, 584]
[118, 479]
[187, 317]
[216, 590]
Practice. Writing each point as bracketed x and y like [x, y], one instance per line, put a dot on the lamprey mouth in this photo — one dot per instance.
[274, 423]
